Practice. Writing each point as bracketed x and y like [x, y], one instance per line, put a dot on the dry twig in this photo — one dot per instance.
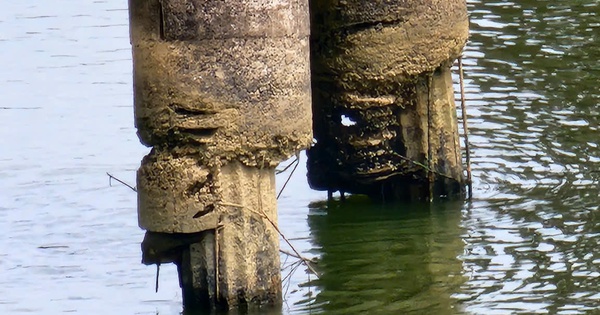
[291, 173]
[111, 177]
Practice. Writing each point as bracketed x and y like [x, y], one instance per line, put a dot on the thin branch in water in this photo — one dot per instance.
[421, 165]
[288, 277]
[304, 260]
[157, 273]
[284, 262]
[277, 172]
[465, 126]
[293, 266]
[111, 177]
[289, 177]
[264, 215]
[308, 261]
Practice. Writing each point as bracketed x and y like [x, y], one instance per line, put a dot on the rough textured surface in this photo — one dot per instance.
[176, 194]
[237, 93]
[240, 252]
[374, 43]
[249, 246]
[385, 66]
[222, 94]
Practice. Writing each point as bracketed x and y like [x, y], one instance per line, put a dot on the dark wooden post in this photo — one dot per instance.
[383, 103]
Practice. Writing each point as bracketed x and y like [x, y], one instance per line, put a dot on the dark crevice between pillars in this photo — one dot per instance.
[198, 275]
[430, 165]
[161, 21]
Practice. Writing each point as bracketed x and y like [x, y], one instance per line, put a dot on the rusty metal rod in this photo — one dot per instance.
[465, 127]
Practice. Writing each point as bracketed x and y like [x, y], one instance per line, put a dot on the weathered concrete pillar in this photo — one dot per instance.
[222, 95]
[383, 103]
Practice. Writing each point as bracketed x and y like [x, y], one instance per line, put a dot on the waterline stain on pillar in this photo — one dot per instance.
[384, 66]
[222, 95]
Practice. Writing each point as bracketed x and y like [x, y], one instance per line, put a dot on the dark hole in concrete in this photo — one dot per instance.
[180, 110]
[203, 133]
[195, 188]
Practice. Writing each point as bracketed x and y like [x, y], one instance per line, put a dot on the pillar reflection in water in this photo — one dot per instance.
[387, 260]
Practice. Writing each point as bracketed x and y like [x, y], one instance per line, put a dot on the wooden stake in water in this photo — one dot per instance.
[465, 127]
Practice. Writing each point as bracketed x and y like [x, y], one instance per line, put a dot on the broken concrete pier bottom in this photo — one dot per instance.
[232, 263]
[385, 67]
[402, 145]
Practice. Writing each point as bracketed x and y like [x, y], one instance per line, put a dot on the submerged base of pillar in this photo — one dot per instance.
[233, 262]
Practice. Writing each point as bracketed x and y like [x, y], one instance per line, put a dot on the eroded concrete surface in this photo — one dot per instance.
[384, 65]
[222, 95]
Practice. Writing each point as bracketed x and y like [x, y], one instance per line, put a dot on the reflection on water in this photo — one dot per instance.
[531, 237]
[526, 244]
[532, 77]
[70, 243]
[387, 260]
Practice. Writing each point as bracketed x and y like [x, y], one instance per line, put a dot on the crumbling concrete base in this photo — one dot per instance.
[248, 242]
[197, 272]
[234, 260]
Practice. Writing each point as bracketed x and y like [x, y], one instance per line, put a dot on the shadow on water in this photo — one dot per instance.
[386, 259]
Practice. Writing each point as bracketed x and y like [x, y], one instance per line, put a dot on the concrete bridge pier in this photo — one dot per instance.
[222, 95]
[383, 102]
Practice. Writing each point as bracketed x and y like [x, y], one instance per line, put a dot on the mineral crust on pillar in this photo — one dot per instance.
[222, 94]
[231, 77]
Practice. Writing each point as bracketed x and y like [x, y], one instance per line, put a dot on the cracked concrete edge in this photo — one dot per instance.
[245, 95]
